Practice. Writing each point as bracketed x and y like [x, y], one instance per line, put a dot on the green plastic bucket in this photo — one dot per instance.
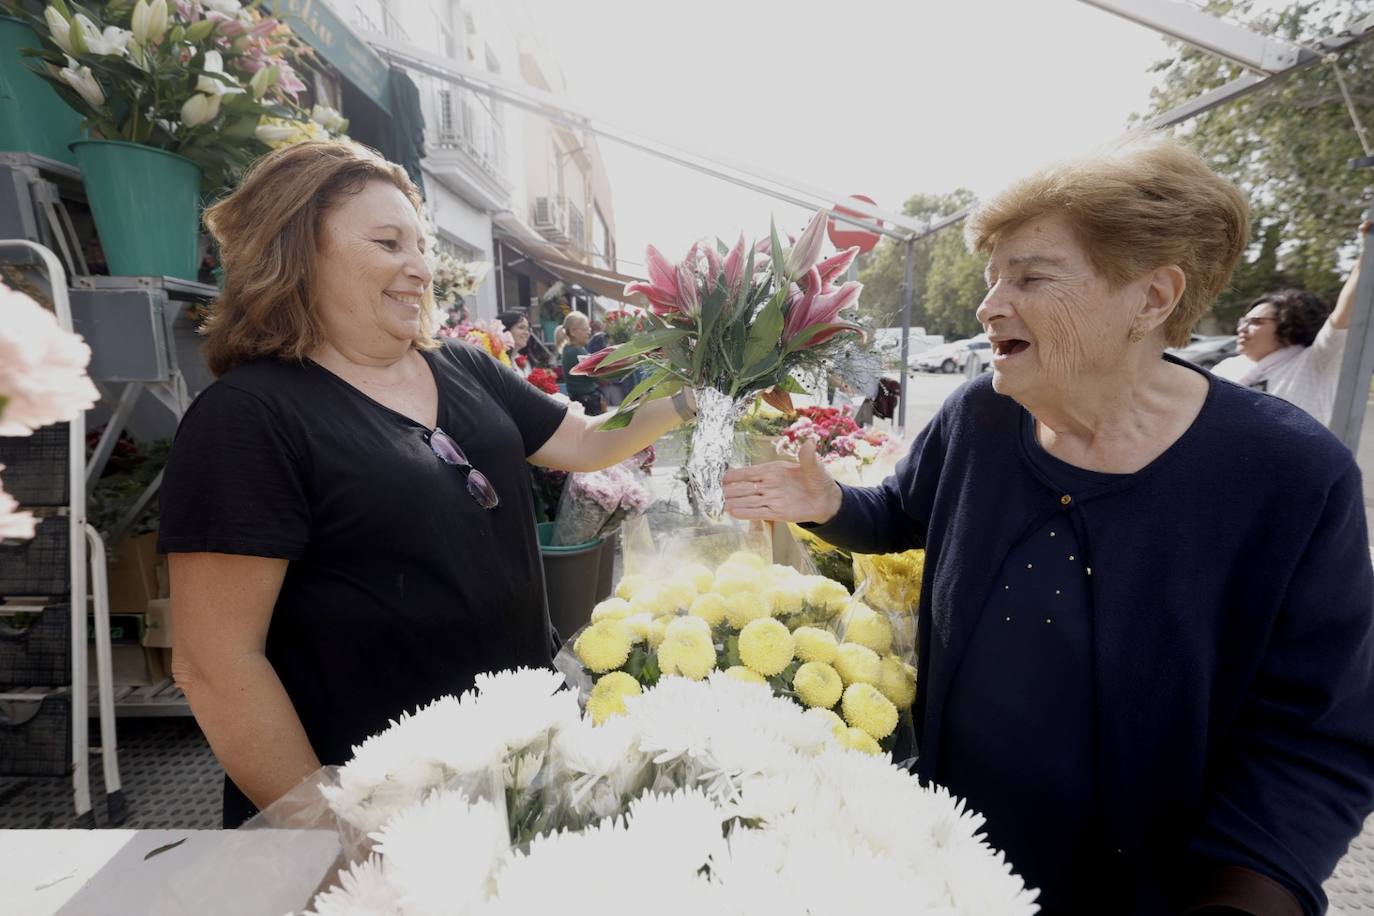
[33, 117]
[146, 204]
[571, 579]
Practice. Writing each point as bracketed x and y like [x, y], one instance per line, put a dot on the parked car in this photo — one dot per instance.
[954, 357]
[1207, 351]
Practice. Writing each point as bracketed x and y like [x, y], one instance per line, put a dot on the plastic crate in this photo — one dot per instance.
[36, 466]
[39, 566]
[36, 736]
[39, 656]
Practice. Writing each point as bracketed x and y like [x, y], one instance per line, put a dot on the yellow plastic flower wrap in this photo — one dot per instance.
[704, 598]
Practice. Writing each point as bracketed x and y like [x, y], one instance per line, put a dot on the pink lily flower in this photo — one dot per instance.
[821, 308]
[806, 251]
[661, 290]
[687, 287]
[835, 265]
[713, 266]
[734, 269]
[596, 364]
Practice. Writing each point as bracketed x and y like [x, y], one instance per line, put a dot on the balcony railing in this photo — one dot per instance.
[577, 226]
[461, 119]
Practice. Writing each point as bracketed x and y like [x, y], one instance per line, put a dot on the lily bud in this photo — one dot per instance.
[84, 82]
[199, 109]
[60, 30]
[807, 250]
[262, 81]
[149, 21]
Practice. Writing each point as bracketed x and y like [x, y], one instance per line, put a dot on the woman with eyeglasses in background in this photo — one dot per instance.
[1288, 345]
[346, 512]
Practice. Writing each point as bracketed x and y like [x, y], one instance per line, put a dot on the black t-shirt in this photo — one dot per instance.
[401, 588]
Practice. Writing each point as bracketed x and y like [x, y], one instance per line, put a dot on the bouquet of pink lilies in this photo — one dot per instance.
[728, 323]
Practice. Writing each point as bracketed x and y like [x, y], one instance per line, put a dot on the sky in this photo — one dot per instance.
[884, 98]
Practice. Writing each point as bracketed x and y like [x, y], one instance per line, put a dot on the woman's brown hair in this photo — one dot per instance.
[1148, 203]
[269, 230]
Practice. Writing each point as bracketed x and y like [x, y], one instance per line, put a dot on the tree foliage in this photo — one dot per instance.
[946, 281]
[1288, 146]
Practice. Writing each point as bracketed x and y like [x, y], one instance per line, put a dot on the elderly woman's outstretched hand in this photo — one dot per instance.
[783, 491]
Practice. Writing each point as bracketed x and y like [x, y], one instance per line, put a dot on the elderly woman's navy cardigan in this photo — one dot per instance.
[1234, 627]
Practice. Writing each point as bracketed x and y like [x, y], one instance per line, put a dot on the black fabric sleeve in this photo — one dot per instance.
[535, 413]
[892, 516]
[1298, 779]
[233, 483]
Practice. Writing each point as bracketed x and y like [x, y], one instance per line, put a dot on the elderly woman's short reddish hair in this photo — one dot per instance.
[1146, 204]
[269, 231]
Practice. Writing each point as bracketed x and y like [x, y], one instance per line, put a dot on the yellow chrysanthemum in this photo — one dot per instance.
[857, 664]
[826, 594]
[897, 681]
[741, 673]
[645, 600]
[611, 609]
[743, 607]
[865, 707]
[702, 578]
[830, 718]
[710, 607]
[815, 644]
[765, 646]
[640, 626]
[675, 596]
[856, 739]
[686, 649]
[604, 645]
[746, 558]
[817, 684]
[629, 585]
[608, 695]
[785, 599]
[731, 579]
[779, 574]
[658, 630]
[866, 627]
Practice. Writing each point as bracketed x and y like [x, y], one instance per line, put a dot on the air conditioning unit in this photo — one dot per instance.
[548, 218]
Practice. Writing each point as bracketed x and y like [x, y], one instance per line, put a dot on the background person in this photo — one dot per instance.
[582, 389]
[1289, 346]
[345, 510]
[1145, 653]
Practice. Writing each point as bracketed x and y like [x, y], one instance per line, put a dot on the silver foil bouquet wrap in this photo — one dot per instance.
[730, 323]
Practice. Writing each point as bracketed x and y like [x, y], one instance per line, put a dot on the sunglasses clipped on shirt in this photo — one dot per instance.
[479, 488]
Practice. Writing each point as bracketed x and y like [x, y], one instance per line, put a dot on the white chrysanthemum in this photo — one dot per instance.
[363, 890]
[443, 851]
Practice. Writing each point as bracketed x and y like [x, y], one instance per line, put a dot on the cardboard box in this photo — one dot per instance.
[133, 575]
[157, 624]
[133, 666]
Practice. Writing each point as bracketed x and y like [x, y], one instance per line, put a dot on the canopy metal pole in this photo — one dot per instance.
[1352, 393]
[906, 334]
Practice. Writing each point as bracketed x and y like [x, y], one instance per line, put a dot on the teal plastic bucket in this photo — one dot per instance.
[146, 204]
[571, 579]
[33, 117]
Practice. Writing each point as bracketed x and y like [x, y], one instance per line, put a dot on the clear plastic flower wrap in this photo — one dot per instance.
[596, 503]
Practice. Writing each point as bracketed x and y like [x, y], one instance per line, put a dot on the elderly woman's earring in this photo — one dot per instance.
[1137, 334]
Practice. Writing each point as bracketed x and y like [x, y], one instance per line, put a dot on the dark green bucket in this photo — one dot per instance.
[33, 117]
[146, 204]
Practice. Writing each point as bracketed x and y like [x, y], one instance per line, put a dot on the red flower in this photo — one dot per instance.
[522, 360]
[544, 380]
[595, 364]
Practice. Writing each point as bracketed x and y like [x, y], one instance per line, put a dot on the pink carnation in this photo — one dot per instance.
[13, 524]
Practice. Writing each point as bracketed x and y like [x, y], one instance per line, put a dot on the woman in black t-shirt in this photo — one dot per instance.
[346, 513]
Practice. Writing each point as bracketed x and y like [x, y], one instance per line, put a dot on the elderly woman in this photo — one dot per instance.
[349, 528]
[1146, 656]
[1289, 346]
